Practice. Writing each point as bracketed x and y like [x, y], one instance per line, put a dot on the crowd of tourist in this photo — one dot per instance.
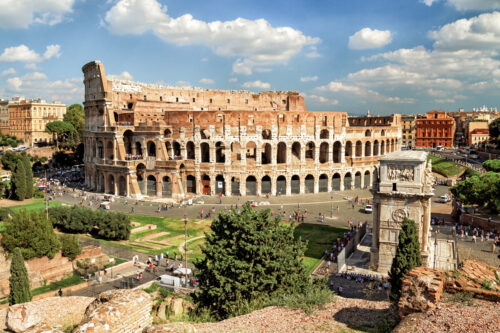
[133, 157]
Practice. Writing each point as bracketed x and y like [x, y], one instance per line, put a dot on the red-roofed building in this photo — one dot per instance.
[478, 136]
[436, 129]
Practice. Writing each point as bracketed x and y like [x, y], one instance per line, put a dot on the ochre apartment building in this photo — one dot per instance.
[435, 129]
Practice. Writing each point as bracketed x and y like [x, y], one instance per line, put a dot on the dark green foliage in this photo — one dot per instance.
[18, 182]
[249, 258]
[70, 246]
[102, 224]
[492, 165]
[61, 159]
[76, 117]
[494, 128]
[407, 257]
[7, 140]
[9, 160]
[32, 233]
[18, 281]
[482, 190]
[65, 134]
[25, 159]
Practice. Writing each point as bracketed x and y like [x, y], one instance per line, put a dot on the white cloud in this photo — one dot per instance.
[252, 42]
[319, 99]
[183, 84]
[37, 84]
[465, 5]
[256, 85]
[31, 66]
[8, 72]
[126, 76]
[206, 81]
[263, 70]
[233, 79]
[429, 2]
[364, 93]
[367, 38]
[25, 54]
[23, 13]
[309, 78]
[313, 52]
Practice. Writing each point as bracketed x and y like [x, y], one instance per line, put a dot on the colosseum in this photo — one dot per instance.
[161, 141]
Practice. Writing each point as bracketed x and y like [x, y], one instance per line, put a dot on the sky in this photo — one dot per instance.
[386, 56]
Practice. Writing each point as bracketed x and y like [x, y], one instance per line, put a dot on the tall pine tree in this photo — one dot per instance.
[249, 257]
[18, 182]
[407, 257]
[18, 282]
[25, 159]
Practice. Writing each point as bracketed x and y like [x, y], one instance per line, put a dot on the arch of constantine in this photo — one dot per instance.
[152, 140]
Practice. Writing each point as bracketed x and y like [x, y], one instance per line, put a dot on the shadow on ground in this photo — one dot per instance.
[369, 320]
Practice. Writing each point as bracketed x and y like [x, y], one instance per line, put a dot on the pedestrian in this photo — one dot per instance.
[474, 238]
[60, 292]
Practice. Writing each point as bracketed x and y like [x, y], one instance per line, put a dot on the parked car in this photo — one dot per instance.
[444, 199]
[368, 209]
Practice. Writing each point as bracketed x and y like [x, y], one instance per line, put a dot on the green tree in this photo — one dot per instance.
[407, 257]
[70, 246]
[494, 128]
[248, 258]
[19, 282]
[482, 190]
[18, 182]
[32, 232]
[9, 160]
[76, 117]
[25, 159]
[64, 133]
[492, 165]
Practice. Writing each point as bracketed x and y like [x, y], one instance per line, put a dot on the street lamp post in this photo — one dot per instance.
[185, 245]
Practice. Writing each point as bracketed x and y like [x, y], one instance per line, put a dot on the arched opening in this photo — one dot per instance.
[251, 151]
[127, 141]
[138, 149]
[357, 180]
[151, 148]
[309, 184]
[347, 181]
[266, 134]
[359, 149]
[337, 152]
[166, 187]
[310, 151]
[368, 133]
[281, 153]
[375, 148]
[177, 149]
[101, 183]
[151, 188]
[220, 185]
[204, 134]
[122, 186]
[295, 152]
[235, 151]
[375, 177]
[348, 149]
[295, 184]
[281, 185]
[266, 185]
[366, 181]
[323, 183]
[323, 152]
[115, 116]
[336, 182]
[190, 152]
[382, 133]
[140, 172]
[205, 183]
[235, 186]
[111, 184]
[388, 146]
[168, 147]
[382, 147]
[368, 148]
[110, 151]
[220, 154]
[266, 153]
[167, 133]
[392, 145]
[205, 152]
[100, 149]
[251, 185]
[324, 134]
[191, 184]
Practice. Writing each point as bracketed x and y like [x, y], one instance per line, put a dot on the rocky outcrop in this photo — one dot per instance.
[118, 311]
[421, 291]
[51, 312]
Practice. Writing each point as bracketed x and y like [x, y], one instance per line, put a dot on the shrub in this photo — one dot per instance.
[70, 246]
[18, 183]
[18, 281]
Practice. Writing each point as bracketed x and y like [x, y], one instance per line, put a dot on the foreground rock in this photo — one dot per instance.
[118, 311]
[47, 312]
[421, 291]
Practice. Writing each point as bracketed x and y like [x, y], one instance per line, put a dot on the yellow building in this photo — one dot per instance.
[4, 116]
[408, 130]
[28, 118]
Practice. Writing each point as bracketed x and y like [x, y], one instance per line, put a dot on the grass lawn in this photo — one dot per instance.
[33, 204]
[445, 167]
[319, 238]
[117, 262]
[71, 281]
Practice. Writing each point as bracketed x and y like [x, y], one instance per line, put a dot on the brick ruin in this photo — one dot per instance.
[160, 141]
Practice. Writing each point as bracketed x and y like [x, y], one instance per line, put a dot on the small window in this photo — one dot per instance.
[177, 99]
[211, 101]
[194, 99]
[246, 101]
[394, 186]
[284, 101]
[228, 101]
[145, 98]
[161, 98]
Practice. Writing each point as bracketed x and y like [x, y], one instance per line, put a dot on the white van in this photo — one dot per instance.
[439, 148]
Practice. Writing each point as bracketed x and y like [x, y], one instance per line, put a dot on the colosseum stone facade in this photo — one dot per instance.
[157, 141]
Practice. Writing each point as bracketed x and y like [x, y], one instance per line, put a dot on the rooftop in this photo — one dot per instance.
[406, 155]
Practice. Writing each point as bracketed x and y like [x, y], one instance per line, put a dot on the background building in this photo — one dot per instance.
[4, 116]
[463, 119]
[409, 131]
[28, 118]
[436, 129]
[151, 140]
